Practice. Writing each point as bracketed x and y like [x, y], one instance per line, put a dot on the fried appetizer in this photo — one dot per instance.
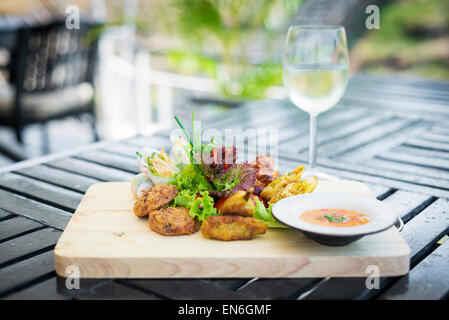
[155, 198]
[240, 203]
[300, 187]
[228, 228]
[173, 221]
[277, 185]
[265, 170]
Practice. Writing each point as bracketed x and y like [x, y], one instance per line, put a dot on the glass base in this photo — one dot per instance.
[321, 175]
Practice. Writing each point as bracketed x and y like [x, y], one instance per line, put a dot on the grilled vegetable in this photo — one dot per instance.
[240, 203]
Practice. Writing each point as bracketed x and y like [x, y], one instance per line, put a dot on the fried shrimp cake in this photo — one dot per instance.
[228, 228]
[155, 198]
[173, 221]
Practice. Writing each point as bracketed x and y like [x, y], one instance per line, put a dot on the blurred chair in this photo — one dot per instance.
[51, 77]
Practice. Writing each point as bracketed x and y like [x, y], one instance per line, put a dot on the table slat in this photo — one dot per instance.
[422, 231]
[428, 280]
[42, 191]
[407, 204]
[121, 148]
[91, 170]
[17, 226]
[111, 290]
[46, 290]
[40, 212]
[276, 289]
[435, 137]
[379, 146]
[426, 162]
[187, 289]
[364, 137]
[329, 133]
[408, 150]
[332, 124]
[411, 169]
[156, 141]
[58, 177]
[428, 145]
[34, 242]
[110, 160]
[26, 271]
[4, 215]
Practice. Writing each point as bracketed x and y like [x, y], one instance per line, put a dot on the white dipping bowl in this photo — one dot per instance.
[288, 210]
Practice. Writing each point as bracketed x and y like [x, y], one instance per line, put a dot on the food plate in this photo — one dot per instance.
[381, 216]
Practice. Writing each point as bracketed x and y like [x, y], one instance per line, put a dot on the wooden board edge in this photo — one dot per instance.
[300, 267]
[101, 184]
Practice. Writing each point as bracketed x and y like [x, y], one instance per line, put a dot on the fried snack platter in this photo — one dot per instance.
[199, 212]
[105, 239]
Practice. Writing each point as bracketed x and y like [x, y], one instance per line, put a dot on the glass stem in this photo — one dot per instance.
[312, 141]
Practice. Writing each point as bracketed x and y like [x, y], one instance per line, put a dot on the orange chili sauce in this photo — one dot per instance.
[334, 217]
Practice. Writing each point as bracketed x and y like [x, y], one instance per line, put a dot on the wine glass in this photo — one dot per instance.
[315, 73]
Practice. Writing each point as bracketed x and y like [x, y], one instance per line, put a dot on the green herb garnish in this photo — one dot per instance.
[333, 218]
[186, 133]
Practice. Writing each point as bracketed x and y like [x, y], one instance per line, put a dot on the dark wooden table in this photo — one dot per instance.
[389, 132]
[8, 31]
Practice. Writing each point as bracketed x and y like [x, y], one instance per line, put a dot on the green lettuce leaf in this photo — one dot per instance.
[191, 179]
[264, 214]
[228, 181]
[200, 207]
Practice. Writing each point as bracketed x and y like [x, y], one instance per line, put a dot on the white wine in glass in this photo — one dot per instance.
[315, 72]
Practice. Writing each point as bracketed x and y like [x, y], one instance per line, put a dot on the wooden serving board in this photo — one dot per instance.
[104, 239]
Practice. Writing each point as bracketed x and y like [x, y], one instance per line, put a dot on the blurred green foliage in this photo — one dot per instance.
[413, 39]
[218, 37]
